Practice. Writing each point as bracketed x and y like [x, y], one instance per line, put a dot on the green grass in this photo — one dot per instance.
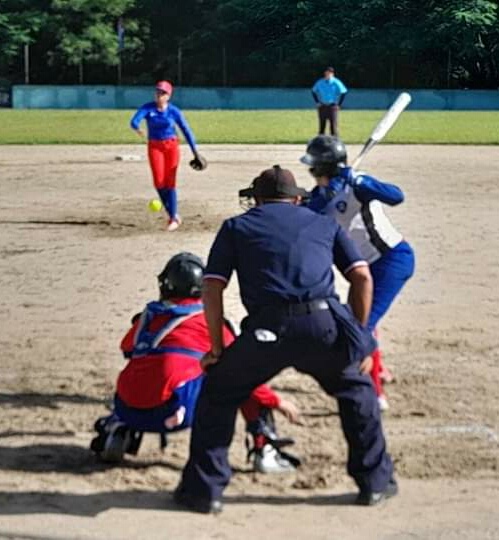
[110, 126]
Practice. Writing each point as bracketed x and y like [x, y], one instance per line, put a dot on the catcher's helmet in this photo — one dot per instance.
[324, 155]
[182, 277]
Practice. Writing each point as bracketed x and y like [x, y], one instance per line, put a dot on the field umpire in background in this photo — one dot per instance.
[328, 93]
[283, 255]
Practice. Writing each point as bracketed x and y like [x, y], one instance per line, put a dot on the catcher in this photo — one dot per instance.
[159, 387]
[163, 147]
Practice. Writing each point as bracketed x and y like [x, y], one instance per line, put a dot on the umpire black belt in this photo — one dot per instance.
[304, 308]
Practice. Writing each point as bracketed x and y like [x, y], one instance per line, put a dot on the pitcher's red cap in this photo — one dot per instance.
[165, 86]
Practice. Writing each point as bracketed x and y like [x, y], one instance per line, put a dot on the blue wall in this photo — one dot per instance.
[130, 97]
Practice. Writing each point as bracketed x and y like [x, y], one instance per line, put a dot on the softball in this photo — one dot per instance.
[155, 205]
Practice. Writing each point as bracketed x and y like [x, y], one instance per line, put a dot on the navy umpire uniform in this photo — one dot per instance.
[283, 254]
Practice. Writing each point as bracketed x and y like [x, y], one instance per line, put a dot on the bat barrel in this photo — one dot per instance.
[384, 125]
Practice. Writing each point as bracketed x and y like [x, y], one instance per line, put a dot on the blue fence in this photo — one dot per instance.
[5, 96]
[130, 97]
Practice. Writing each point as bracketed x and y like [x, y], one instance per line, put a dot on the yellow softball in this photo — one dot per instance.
[155, 205]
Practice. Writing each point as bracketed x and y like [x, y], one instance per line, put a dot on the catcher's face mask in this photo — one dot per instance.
[274, 183]
[246, 198]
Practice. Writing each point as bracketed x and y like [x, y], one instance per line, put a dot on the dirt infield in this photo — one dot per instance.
[79, 256]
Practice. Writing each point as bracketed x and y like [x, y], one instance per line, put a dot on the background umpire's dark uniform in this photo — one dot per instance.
[283, 254]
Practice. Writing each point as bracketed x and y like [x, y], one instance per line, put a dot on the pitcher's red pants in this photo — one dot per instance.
[164, 157]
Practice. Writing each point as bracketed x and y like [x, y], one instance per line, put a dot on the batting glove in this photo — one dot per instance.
[346, 173]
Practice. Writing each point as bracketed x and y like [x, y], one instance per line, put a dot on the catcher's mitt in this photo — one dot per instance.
[199, 163]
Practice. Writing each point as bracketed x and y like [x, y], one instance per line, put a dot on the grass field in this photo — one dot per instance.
[296, 126]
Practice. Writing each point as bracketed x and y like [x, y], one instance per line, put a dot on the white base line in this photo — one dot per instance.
[473, 429]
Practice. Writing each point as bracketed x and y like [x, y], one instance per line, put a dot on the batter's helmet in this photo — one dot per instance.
[324, 155]
[182, 277]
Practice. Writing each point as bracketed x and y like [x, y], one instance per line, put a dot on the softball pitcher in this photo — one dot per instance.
[163, 146]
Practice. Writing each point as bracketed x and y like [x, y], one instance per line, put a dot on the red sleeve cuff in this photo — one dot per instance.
[266, 397]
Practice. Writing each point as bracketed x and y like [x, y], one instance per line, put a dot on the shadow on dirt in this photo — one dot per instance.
[92, 504]
[49, 401]
[66, 458]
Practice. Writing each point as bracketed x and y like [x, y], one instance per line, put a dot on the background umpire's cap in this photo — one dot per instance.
[274, 183]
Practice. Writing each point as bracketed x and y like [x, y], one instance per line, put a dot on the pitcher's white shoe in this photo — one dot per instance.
[269, 460]
[174, 223]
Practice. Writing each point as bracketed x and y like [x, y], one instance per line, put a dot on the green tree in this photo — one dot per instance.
[87, 32]
[467, 31]
[20, 23]
[372, 43]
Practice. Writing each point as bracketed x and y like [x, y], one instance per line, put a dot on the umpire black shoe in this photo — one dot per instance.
[196, 504]
[371, 498]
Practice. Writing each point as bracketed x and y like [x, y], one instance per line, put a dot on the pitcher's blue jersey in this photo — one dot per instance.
[161, 124]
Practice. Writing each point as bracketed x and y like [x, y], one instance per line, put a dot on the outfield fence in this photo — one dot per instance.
[130, 97]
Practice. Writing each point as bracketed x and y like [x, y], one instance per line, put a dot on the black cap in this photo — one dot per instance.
[324, 149]
[275, 183]
[182, 277]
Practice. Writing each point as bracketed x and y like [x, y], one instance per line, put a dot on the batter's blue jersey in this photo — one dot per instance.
[328, 91]
[355, 200]
[161, 124]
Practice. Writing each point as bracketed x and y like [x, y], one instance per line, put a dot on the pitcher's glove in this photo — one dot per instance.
[199, 163]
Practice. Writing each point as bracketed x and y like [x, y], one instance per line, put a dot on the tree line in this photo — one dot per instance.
[258, 43]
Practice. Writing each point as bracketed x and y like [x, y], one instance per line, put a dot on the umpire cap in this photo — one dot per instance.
[274, 183]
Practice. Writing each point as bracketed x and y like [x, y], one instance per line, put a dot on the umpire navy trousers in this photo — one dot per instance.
[328, 345]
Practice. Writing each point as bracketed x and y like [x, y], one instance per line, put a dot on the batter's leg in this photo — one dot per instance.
[389, 274]
[375, 372]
